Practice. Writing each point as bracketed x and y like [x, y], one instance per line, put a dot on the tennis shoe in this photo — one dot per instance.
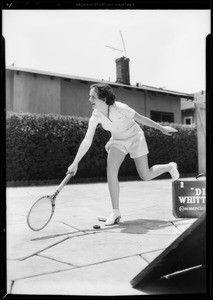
[174, 171]
[113, 218]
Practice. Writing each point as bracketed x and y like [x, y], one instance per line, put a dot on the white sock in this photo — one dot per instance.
[116, 211]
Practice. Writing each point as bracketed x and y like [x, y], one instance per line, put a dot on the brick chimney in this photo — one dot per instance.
[122, 70]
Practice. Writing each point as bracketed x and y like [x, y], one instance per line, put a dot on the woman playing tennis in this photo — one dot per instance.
[126, 137]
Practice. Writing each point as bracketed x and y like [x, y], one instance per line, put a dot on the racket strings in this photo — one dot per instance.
[41, 213]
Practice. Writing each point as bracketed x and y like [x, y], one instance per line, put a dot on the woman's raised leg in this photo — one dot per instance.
[147, 173]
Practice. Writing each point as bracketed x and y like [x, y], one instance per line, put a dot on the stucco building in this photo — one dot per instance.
[188, 107]
[45, 92]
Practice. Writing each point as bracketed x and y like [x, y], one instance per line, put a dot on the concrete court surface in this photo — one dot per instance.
[69, 257]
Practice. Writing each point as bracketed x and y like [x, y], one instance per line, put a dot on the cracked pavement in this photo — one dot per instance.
[69, 257]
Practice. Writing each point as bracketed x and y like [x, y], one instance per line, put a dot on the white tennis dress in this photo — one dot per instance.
[126, 134]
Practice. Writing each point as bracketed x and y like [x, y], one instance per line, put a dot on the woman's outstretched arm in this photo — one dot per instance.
[148, 122]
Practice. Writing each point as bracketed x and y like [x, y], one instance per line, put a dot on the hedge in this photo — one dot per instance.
[41, 147]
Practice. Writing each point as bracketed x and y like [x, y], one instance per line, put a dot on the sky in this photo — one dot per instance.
[166, 48]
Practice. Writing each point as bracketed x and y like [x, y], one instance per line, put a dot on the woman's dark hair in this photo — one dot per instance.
[104, 92]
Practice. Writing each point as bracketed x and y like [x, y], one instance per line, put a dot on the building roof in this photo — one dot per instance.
[189, 104]
[162, 90]
[140, 87]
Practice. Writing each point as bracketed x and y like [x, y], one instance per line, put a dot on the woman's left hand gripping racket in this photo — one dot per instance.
[43, 209]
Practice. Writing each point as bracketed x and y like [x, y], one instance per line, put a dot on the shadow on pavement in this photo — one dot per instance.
[139, 226]
[143, 226]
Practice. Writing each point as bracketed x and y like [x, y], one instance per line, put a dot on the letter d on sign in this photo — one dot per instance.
[198, 192]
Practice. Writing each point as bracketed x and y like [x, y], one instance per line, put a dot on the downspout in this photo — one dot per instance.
[145, 98]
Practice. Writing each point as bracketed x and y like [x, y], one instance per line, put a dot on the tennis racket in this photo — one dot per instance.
[43, 209]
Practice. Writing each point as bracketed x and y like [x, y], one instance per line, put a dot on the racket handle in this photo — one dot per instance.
[65, 180]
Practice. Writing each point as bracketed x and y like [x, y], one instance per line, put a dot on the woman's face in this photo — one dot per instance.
[95, 101]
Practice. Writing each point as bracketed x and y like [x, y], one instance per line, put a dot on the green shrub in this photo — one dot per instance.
[41, 147]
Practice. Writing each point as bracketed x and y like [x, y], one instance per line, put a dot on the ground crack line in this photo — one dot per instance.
[53, 259]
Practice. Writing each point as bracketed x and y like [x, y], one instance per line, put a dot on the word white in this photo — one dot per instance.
[192, 199]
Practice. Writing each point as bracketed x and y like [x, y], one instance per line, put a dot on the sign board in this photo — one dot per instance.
[188, 198]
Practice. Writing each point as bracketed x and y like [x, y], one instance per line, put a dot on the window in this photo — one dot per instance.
[188, 120]
[160, 116]
[83, 81]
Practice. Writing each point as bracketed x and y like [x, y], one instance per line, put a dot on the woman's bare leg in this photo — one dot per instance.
[114, 161]
[147, 173]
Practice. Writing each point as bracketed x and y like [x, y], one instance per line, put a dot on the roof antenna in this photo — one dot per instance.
[114, 48]
[123, 44]
[124, 48]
